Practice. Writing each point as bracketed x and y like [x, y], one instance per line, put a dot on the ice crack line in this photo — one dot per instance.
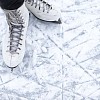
[76, 63]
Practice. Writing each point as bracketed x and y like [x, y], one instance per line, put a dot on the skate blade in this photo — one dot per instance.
[12, 68]
[58, 22]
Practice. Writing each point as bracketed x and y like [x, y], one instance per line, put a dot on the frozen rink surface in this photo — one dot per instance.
[62, 62]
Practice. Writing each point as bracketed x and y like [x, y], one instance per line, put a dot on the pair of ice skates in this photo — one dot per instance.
[13, 44]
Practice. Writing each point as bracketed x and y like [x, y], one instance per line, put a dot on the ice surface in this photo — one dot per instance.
[62, 62]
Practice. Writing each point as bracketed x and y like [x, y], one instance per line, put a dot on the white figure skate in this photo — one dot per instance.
[43, 10]
[13, 44]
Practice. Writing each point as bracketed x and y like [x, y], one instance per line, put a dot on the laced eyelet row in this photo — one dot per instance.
[46, 7]
[15, 22]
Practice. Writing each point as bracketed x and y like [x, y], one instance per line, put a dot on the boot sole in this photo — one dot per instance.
[12, 68]
[57, 22]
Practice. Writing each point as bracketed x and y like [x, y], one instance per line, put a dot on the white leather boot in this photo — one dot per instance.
[13, 44]
[44, 11]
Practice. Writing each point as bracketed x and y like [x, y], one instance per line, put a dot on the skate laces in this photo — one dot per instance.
[41, 4]
[15, 22]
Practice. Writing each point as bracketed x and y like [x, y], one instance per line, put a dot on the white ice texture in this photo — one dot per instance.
[62, 62]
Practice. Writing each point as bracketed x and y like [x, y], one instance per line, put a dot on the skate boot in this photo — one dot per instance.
[13, 43]
[44, 11]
